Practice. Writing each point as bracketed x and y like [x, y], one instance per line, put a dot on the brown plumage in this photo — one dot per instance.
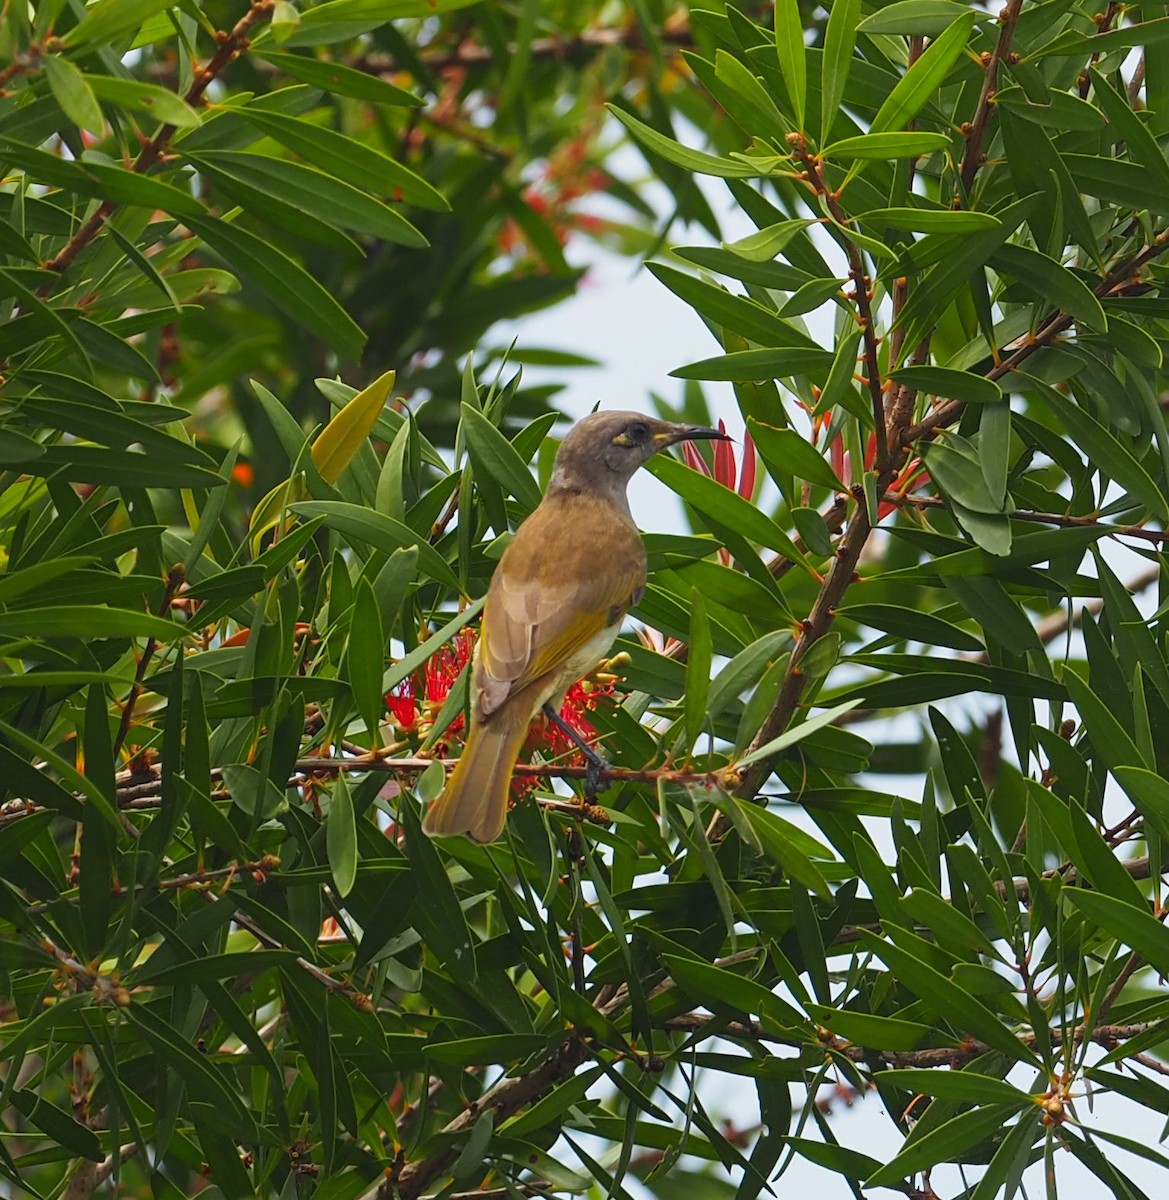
[554, 607]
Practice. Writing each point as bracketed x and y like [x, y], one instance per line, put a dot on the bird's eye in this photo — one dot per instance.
[638, 431]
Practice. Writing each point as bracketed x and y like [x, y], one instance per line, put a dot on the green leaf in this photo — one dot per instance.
[437, 908]
[759, 115]
[886, 145]
[782, 842]
[341, 837]
[1110, 739]
[120, 468]
[315, 192]
[965, 1086]
[944, 1143]
[1134, 927]
[876, 1033]
[493, 453]
[347, 159]
[950, 384]
[74, 94]
[723, 505]
[58, 1125]
[287, 282]
[108, 20]
[1094, 859]
[158, 102]
[745, 669]
[839, 40]
[948, 1000]
[694, 161]
[697, 670]
[924, 18]
[1141, 33]
[795, 734]
[722, 989]
[102, 181]
[365, 656]
[180, 1056]
[911, 623]
[928, 220]
[789, 48]
[918, 85]
[1064, 111]
[1053, 282]
[752, 366]
[785, 452]
[340, 20]
[1149, 792]
[852, 1164]
[839, 388]
[765, 244]
[738, 313]
[383, 533]
[956, 468]
[1128, 127]
[341, 80]
[87, 621]
[405, 667]
[1117, 181]
[1105, 451]
[962, 259]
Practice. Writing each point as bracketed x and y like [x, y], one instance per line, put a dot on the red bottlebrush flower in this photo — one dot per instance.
[694, 460]
[836, 458]
[726, 471]
[444, 667]
[550, 741]
[415, 701]
[747, 474]
[912, 476]
[724, 460]
[401, 704]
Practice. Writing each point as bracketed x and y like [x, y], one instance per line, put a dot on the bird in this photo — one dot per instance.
[554, 606]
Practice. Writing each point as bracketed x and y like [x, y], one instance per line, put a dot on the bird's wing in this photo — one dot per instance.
[533, 626]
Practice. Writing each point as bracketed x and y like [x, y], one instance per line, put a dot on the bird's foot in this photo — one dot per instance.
[595, 768]
[596, 765]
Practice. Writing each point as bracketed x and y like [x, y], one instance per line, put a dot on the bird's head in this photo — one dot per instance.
[603, 450]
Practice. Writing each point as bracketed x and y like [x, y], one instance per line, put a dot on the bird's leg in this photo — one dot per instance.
[596, 763]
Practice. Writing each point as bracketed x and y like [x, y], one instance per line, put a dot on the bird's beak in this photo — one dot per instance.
[671, 435]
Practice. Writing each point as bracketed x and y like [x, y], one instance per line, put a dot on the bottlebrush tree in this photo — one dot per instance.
[888, 732]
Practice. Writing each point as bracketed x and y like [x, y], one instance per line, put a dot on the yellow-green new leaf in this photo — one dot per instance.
[340, 440]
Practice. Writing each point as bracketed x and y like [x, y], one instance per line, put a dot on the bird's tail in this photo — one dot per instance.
[475, 798]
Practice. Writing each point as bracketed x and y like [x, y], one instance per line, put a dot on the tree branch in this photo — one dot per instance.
[935, 1056]
[1121, 276]
[231, 45]
[1064, 520]
[819, 621]
[976, 136]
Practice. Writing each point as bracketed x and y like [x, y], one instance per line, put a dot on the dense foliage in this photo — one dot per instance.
[258, 456]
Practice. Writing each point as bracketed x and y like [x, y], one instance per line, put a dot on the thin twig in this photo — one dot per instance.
[937, 1056]
[175, 578]
[231, 45]
[861, 282]
[1064, 520]
[1123, 275]
[819, 621]
[567, 49]
[976, 136]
